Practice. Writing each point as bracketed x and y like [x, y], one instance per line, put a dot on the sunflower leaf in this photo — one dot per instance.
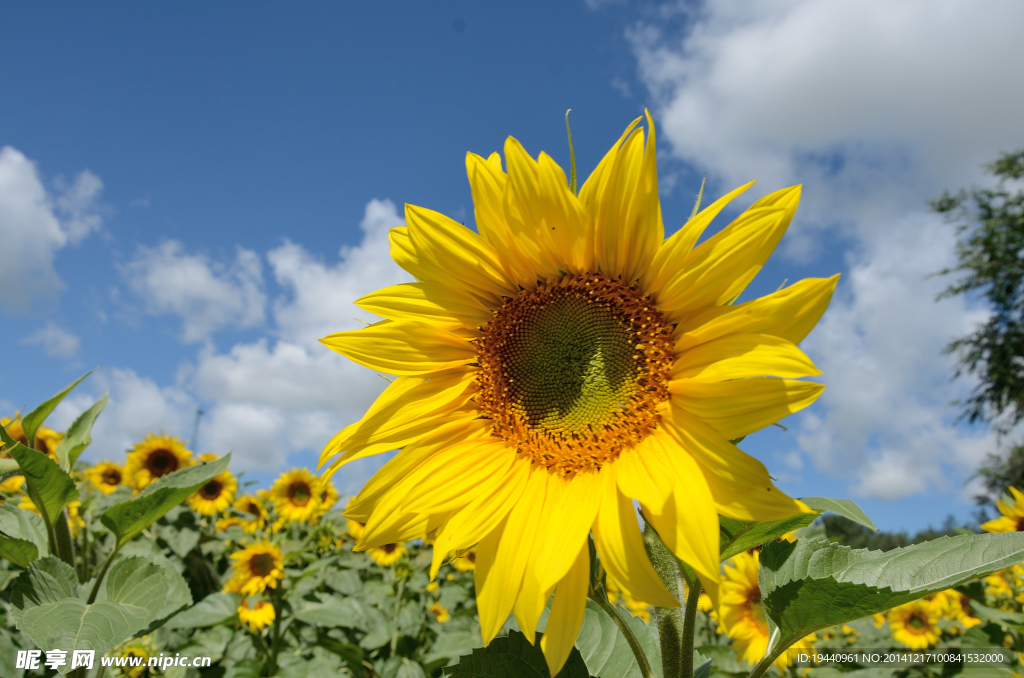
[49, 488]
[21, 552]
[26, 525]
[841, 507]
[131, 517]
[513, 657]
[604, 649]
[79, 435]
[811, 584]
[737, 536]
[31, 422]
[213, 609]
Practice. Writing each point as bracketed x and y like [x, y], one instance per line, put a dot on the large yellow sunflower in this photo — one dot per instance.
[216, 495]
[258, 616]
[155, 456]
[915, 624]
[1012, 515]
[387, 554]
[563, 360]
[741, 615]
[296, 495]
[257, 567]
[105, 476]
[47, 439]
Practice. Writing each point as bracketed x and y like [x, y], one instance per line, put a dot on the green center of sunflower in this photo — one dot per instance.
[299, 493]
[262, 564]
[573, 371]
[916, 623]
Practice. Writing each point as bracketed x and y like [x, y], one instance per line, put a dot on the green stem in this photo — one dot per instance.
[398, 607]
[669, 620]
[634, 644]
[766, 662]
[102, 574]
[276, 642]
[700, 196]
[692, 598]
[62, 535]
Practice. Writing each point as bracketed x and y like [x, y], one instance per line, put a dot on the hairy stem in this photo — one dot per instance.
[690, 621]
[101, 575]
[669, 620]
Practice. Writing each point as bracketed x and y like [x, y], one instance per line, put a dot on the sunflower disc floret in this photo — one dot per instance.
[564, 360]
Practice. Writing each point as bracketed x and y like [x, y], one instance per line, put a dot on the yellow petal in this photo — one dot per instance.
[468, 526]
[740, 407]
[402, 347]
[453, 477]
[790, 313]
[721, 267]
[498, 592]
[455, 255]
[487, 182]
[739, 483]
[426, 302]
[688, 523]
[676, 249]
[643, 218]
[639, 480]
[740, 356]
[621, 547]
[567, 611]
[613, 236]
[399, 414]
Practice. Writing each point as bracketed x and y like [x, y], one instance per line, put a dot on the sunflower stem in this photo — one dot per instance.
[103, 572]
[669, 620]
[572, 156]
[700, 196]
[398, 608]
[692, 598]
[631, 639]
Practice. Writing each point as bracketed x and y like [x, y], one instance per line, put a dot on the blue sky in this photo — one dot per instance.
[191, 195]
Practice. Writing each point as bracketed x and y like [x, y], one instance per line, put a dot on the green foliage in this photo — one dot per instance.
[811, 584]
[841, 507]
[989, 253]
[604, 649]
[513, 656]
[737, 536]
[79, 435]
[31, 422]
[999, 473]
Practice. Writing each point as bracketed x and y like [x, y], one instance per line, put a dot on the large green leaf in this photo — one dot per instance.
[841, 507]
[49, 488]
[19, 551]
[212, 609]
[812, 584]
[736, 536]
[23, 524]
[79, 435]
[31, 422]
[604, 649]
[130, 578]
[514, 657]
[332, 611]
[129, 518]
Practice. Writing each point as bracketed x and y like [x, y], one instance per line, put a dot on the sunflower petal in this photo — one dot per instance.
[740, 356]
[639, 479]
[789, 313]
[567, 610]
[402, 347]
[621, 548]
[739, 483]
[672, 254]
[426, 302]
[740, 407]
[453, 477]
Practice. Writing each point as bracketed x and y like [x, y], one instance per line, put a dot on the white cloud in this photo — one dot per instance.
[55, 340]
[875, 107]
[34, 224]
[206, 295]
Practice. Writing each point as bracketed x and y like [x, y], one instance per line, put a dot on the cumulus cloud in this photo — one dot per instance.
[34, 224]
[875, 107]
[55, 340]
[207, 295]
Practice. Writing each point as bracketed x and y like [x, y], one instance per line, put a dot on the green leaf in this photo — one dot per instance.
[79, 435]
[23, 524]
[49, 488]
[736, 536]
[211, 610]
[604, 649]
[130, 578]
[811, 584]
[841, 507]
[31, 422]
[514, 657]
[332, 611]
[702, 665]
[18, 551]
[451, 645]
[129, 518]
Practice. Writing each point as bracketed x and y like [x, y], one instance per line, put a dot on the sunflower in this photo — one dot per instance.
[961, 609]
[327, 498]
[386, 554]
[105, 476]
[440, 612]
[354, 527]
[563, 360]
[1004, 583]
[153, 457]
[1012, 518]
[466, 562]
[143, 647]
[12, 484]
[258, 616]
[741, 615]
[47, 439]
[915, 624]
[296, 495]
[216, 495]
[253, 514]
[257, 567]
